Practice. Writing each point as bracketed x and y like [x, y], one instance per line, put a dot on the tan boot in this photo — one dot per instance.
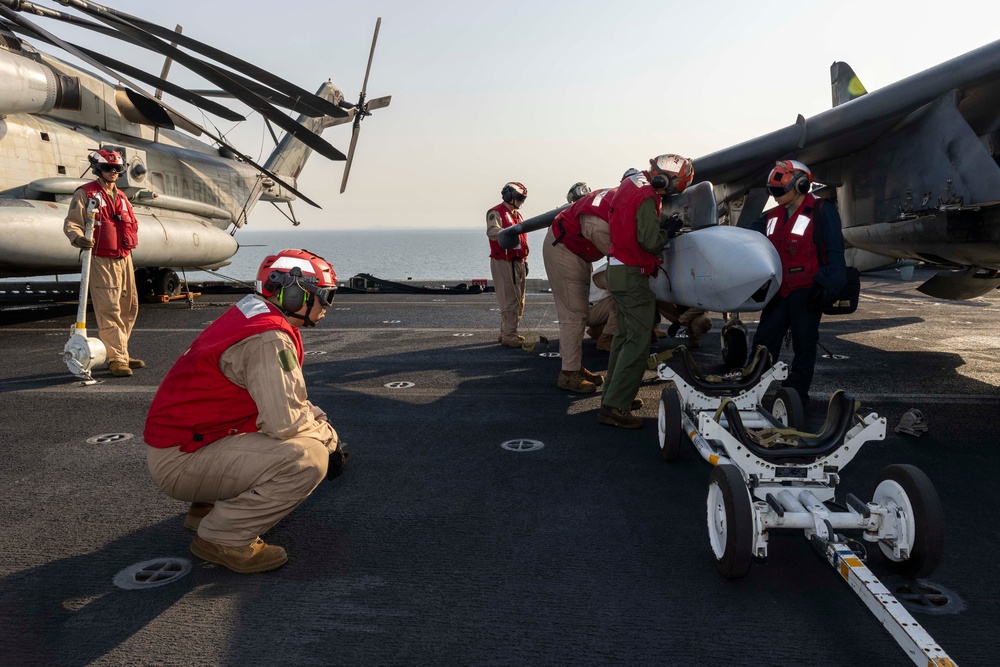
[636, 404]
[196, 513]
[596, 378]
[135, 363]
[574, 381]
[254, 557]
[617, 417]
[510, 342]
[119, 369]
[604, 342]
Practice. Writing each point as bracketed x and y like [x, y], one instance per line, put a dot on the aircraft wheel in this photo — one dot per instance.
[734, 348]
[166, 282]
[788, 409]
[143, 283]
[669, 423]
[730, 521]
[907, 489]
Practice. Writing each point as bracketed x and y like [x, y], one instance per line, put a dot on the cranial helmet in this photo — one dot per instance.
[292, 275]
[672, 173]
[578, 191]
[630, 172]
[514, 191]
[788, 176]
[104, 159]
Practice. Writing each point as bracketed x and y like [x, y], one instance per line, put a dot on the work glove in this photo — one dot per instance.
[83, 242]
[672, 224]
[338, 461]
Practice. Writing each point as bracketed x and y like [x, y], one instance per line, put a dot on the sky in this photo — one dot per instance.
[546, 93]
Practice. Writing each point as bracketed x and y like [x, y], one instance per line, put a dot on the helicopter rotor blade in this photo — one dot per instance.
[350, 153]
[305, 102]
[371, 54]
[17, 19]
[188, 96]
[220, 78]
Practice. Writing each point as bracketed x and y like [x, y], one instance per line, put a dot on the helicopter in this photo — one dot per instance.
[190, 194]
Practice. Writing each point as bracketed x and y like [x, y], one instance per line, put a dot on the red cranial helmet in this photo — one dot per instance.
[105, 160]
[672, 173]
[788, 176]
[293, 275]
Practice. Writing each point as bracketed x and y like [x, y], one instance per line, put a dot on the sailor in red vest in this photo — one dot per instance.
[637, 241]
[509, 267]
[112, 278]
[807, 234]
[577, 237]
[231, 429]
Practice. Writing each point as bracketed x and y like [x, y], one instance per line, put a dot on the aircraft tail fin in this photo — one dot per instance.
[290, 155]
[844, 83]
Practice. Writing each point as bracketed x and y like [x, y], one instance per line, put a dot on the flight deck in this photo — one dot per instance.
[486, 518]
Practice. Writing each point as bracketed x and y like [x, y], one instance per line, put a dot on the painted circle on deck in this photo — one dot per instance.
[312, 353]
[400, 385]
[461, 335]
[391, 321]
[109, 438]
[548, 354]
[152, 573]
[522, 445]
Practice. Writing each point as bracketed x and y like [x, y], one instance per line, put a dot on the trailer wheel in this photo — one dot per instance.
[669, 423]
[910, 492]
[734, 348]
[730, 521]
[788, 409]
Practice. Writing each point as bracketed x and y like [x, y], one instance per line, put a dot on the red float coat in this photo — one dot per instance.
[507, 219]
[625, 246]
[116, 231]
[795, 242]
[196, 403]
[566, 227]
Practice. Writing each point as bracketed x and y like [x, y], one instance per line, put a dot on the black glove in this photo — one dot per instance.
[672, 224]
[83, 242]
[338, 461]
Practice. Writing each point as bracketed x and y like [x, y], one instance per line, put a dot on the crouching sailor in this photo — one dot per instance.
[231, 429]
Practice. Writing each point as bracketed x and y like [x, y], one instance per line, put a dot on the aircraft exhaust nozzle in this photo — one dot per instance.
[722, 269]
[27, 86]
[508, 237]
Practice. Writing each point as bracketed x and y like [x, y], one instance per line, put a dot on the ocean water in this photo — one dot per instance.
[447, 255]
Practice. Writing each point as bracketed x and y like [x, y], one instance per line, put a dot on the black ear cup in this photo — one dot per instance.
[659, 182]
[801, 184]
[290, 295]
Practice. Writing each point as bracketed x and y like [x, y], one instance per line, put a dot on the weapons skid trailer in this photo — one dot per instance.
[754, 489]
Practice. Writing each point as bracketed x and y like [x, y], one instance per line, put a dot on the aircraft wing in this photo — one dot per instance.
[912, 166]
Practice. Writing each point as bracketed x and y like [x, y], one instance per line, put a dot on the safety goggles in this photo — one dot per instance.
[323, 294]
[112, 167]
[777, 191]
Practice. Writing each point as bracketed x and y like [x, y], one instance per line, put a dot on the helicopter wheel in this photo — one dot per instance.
[166, 283]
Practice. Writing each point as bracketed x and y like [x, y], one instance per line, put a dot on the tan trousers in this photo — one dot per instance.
[603, 318]
[509, 283]
[569, 278]
[254, 481]
[116, 303]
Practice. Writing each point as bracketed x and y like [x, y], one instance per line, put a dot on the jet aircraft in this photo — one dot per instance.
[190, 195]
[913, 168]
